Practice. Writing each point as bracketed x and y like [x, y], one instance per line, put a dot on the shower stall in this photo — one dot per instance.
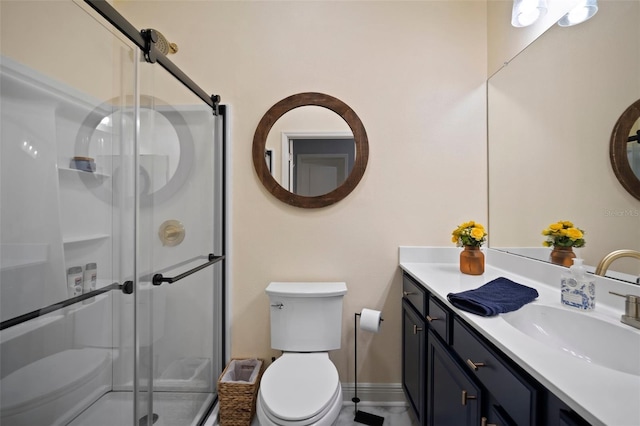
[112, 223]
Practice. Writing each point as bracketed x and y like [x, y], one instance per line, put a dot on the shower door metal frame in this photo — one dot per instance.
[151, 53]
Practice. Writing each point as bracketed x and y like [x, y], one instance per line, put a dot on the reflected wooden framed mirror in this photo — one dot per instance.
[625, 136]
[310, 99]
[167, 147]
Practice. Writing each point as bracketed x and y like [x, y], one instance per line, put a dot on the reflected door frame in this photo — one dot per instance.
[286, 163]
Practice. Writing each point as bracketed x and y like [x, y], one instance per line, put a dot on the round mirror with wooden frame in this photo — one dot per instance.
[620, 137]
[310, 99]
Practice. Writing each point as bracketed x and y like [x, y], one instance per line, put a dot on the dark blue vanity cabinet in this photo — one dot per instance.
[454, 376]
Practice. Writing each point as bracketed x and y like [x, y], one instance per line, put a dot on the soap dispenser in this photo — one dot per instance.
[578, 289]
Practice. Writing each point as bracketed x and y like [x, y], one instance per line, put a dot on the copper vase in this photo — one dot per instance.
[562, 256]
[472, 261]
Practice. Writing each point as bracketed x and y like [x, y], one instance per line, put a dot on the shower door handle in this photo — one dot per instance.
[159, 279]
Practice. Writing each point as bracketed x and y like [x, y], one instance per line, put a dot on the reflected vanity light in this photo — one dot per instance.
[582, 12]
[29, 149]
[526, 12]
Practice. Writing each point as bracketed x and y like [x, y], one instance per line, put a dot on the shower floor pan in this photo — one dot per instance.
[172, 408]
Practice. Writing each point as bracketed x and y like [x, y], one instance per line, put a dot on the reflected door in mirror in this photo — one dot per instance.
[318, 166]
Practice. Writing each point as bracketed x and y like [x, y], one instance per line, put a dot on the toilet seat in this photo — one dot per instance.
[300, 389]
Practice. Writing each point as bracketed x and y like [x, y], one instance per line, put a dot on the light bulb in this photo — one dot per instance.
[526, 12]
[582, 12]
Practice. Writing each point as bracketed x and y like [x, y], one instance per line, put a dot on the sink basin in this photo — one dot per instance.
[580, 334]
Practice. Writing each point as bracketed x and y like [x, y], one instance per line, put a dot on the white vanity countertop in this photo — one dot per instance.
[601, 395]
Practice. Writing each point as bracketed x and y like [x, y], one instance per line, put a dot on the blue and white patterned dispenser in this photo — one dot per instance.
[578, 289]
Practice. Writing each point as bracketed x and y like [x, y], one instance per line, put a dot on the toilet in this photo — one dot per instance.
[302, 386]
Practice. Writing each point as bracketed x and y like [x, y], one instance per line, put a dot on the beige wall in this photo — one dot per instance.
[414, 72]
[55, 37]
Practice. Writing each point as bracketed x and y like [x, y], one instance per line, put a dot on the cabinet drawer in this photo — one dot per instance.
[510, 390]
[414, 293]
[439, 319]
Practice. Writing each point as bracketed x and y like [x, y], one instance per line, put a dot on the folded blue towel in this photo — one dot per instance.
[495, 297]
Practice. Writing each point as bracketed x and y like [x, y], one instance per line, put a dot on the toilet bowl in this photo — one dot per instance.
[299, 389]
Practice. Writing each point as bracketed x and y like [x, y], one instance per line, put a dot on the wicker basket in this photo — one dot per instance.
[237, 396]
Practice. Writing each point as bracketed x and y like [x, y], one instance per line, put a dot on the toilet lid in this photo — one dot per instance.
[299, 386]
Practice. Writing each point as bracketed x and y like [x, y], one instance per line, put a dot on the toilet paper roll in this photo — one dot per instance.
[370, 320]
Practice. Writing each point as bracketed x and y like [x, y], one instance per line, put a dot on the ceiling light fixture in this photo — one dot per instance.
[526, 12]
[582, 12]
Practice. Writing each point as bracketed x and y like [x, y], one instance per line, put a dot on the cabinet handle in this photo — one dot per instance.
[431, 319]
[416, 329]
[474, 365]
[408, 293]
[466, 397]
[484, 421]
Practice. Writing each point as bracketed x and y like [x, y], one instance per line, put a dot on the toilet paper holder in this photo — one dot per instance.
[361, 416]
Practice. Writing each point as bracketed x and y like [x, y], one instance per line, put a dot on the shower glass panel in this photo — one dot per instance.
[59, 215]
[111, 173]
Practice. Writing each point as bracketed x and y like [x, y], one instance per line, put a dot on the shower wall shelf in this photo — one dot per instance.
[63, 170]
[85, 238]
[29, 326]
[20, 263]
[23, 255]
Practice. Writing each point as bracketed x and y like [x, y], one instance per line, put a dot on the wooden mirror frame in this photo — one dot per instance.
[310, 99]
[618, 149]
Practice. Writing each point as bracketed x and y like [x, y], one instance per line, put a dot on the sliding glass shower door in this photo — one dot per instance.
[179, 200]
[111, 229]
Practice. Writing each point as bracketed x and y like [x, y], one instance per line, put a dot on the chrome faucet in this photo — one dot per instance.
[606, 261]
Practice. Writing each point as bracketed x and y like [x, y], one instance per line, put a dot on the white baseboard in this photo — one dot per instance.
[380, 394]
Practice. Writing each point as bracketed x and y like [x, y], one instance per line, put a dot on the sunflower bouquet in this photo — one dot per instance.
[469, 234]
[563, 234]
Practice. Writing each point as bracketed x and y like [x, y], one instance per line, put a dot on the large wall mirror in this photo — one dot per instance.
[310, 150]
[551, 115]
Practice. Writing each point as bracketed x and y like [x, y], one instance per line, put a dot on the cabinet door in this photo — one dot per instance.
[413, 359]
[452, 396]
[559, 413]
[496, 416]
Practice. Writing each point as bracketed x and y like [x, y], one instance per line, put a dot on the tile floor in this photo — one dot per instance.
[393, 415]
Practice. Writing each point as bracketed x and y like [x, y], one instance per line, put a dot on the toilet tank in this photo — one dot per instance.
[306, 316]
